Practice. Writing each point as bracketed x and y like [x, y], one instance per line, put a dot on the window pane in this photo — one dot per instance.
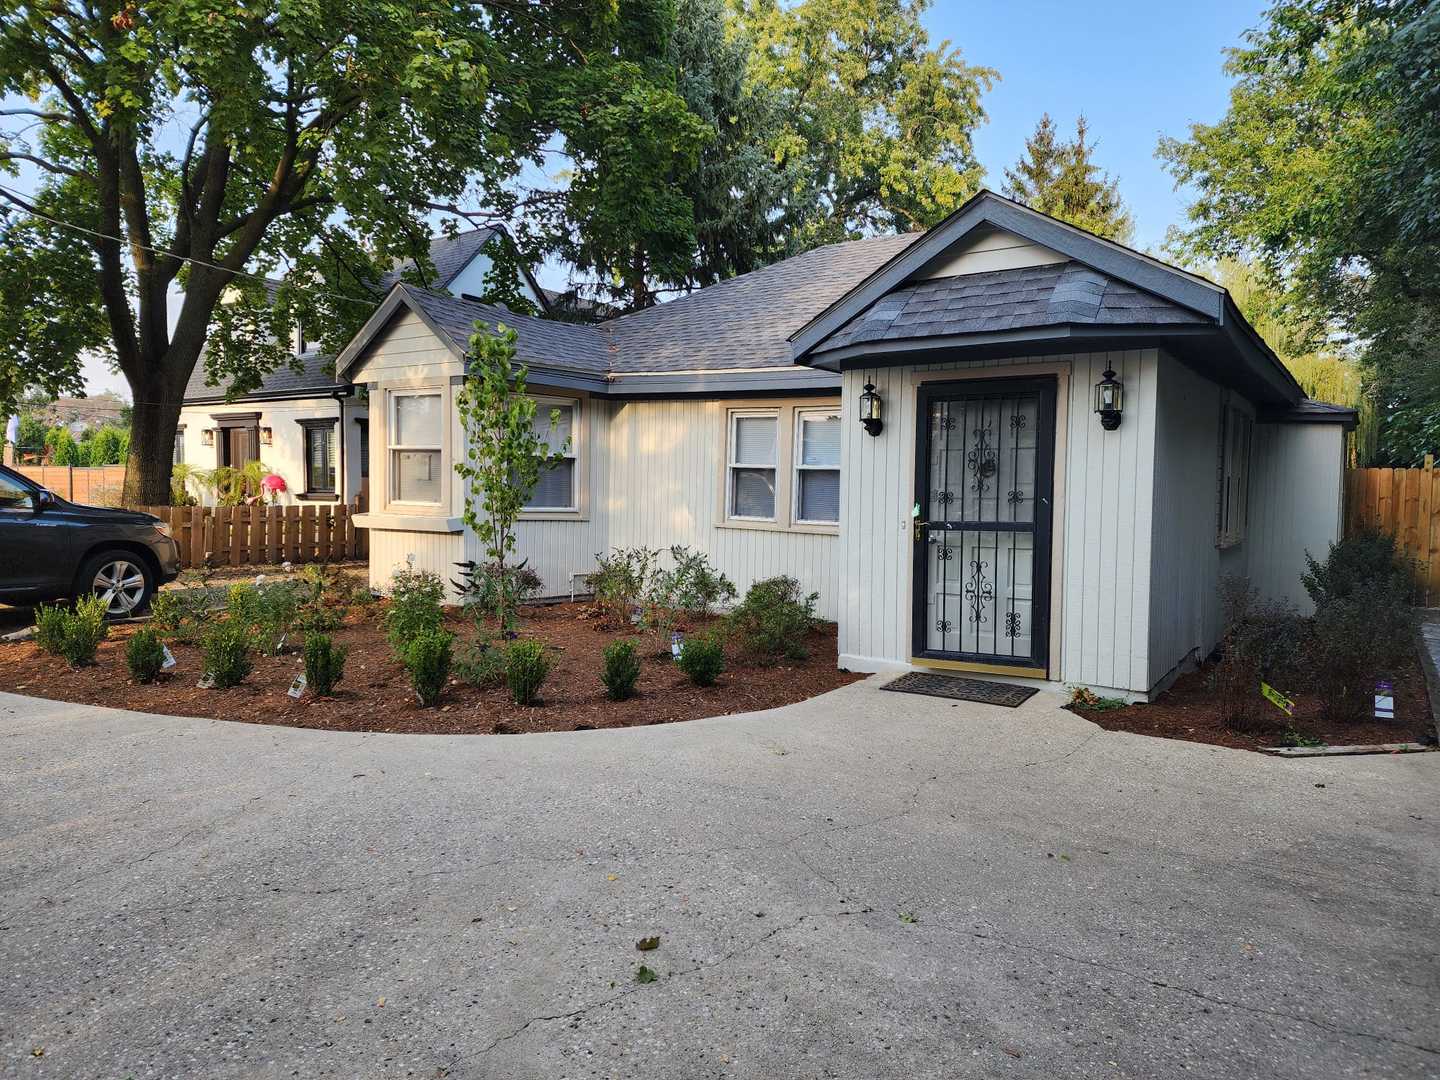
[819, 495]
[557, 436]
[13, 496]
[753, 493]
[755, 440]
[417, 475]
[417, 420]
[364, 450]
[820, 440]
[555, 490]
[320, 458]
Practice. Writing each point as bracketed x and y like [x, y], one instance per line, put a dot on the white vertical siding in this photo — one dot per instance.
[1185, 617]
[1297, 472]
[392, 550]
[1102, 526]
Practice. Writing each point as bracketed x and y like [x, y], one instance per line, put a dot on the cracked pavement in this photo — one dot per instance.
[864, 885]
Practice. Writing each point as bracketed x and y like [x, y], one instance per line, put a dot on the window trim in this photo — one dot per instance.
[575, 510]
[798, 464]
[1232, 518]
[732, 426]
[307, 424]
[412, 506]
[786, 408]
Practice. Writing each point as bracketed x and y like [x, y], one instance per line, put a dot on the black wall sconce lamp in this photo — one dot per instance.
[870, 410]
[1109, 400]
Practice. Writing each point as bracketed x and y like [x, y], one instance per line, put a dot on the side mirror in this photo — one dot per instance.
[44, 499]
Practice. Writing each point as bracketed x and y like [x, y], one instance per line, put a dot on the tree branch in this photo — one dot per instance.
[48, 166]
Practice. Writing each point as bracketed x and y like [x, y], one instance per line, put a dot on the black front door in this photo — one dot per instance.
[984, 469]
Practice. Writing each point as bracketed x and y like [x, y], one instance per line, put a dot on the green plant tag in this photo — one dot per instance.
[1279, 700]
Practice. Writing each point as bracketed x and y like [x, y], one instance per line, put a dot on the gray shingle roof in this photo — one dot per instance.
[1019, 298]
[449, 254]
[539, 342]
[314, 374]
[745, 321]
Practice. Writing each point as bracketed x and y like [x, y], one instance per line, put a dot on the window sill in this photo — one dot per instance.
[317, 496]
[553, 515]
[777, 527]
[426, 523]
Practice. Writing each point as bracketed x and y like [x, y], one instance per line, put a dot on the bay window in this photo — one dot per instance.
[416, 439]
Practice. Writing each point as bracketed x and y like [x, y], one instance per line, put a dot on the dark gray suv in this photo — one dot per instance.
[52, 549]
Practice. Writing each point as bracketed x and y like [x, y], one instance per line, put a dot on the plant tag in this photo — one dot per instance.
[297, 687]
[280, 645]
[1384, 701]
[915, 511]
[677, 642]
[1279, 700]
[169, 660]
[207, 682]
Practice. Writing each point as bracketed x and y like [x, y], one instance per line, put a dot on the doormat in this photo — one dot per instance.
[949, 686]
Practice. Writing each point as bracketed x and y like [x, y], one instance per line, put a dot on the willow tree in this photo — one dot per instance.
[206, 145]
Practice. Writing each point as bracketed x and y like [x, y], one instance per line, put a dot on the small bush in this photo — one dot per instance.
[689, 590]
[702, 658]
[180, 613]
[226, 646]
[483, 665]
[489, 590]
[621, 582]
[1083, 698]
[526, 669]
[145, 656]
[415, 607]
[50, 623]
[1264, 641]
[622, 670]
[324, 663]
[1356, 566]
[321, 594]
[82, 629]
[774, 619]
[427, 658]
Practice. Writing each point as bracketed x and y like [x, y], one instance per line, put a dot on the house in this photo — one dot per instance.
[909, 426]
[301, 421]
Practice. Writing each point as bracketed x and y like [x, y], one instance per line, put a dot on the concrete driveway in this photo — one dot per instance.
[866, 885]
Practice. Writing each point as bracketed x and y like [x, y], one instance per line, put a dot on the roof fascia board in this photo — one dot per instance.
[987, 208]
[779, 381]
[1253, 347]
[398, 297]
[329, 390]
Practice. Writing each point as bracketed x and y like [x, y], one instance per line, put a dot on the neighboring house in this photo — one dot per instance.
[81, 414]
[986, 520]
[302, 422]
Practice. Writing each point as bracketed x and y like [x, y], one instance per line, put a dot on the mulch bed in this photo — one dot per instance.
[1188, 711]
[375, 693]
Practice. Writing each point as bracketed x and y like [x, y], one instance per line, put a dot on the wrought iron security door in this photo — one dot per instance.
[982, 538]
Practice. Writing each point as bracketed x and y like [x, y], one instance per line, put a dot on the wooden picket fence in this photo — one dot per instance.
[261, 535]
[1406, 504]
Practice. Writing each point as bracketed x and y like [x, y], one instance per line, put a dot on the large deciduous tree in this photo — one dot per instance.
[1059, 177]
[1325, 169]
[206, 144]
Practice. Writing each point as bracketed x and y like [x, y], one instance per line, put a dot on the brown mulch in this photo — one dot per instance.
[375, 693]
[1188, 710]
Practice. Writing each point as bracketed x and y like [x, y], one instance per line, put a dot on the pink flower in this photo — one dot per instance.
[273, 484]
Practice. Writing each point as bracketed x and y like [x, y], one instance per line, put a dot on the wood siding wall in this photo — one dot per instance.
[1102, 529]
[1297, 474]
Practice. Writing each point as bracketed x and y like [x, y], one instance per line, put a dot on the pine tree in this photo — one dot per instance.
[1060, 179]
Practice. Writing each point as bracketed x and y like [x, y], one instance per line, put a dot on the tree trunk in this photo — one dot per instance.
[154, 420]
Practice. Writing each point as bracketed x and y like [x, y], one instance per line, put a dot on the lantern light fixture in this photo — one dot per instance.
[870, 410]
[267, 436]
[1109, 400]
[207, 437]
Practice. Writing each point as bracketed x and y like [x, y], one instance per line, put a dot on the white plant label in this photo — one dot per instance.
[169, 660]
[677, 643]
[207, 682]
[298, 686]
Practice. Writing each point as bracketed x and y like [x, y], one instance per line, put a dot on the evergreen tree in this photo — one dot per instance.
[1059, 178]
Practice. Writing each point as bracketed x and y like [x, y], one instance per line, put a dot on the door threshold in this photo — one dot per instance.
[980, 669]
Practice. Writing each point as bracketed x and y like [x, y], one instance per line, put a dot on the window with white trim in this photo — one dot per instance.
[416, 439]
[750, 465]
[1236, 434]
[556, 488]
[817, 466]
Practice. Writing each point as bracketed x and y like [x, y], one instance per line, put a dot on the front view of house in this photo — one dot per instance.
[1001, 446]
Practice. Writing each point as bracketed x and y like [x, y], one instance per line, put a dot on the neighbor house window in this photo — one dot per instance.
[319, 456]
[555, 490]
[1235, 437]
[179, 456]
[817, 466]
[416, 439]
[754, 438]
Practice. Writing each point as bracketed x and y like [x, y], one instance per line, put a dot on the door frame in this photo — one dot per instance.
[1047, 386]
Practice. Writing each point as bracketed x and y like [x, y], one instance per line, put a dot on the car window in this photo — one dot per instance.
[15, 496]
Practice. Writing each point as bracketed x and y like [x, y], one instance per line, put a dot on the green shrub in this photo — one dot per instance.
[1357, 566]
[527, 665]
[488, 590]
[702, 658]
[1264, 640]
[324, 663]
[774, 619]
[226, 646]
[84, 628]
[622, 581]
[145, 655]
[180, 613]
[415, 599]
[50, 623]
[427, 658]
[321, 594]
[688, 590]
[622, 670]
[482, 665]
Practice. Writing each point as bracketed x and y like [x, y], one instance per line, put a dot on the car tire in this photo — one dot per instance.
[123, 575]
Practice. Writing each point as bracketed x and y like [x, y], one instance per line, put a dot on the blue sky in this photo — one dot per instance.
[1137, 69]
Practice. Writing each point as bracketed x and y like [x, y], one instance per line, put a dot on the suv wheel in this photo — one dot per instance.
[122, 577]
